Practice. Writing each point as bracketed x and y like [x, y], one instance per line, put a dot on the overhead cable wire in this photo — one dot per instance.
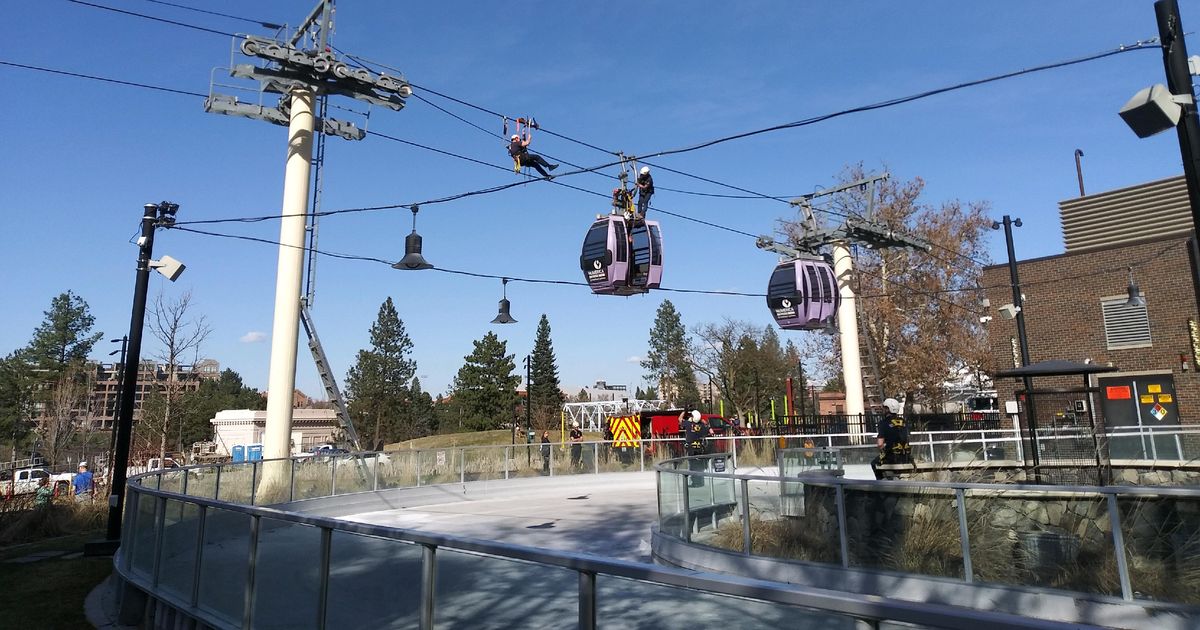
[153, 18]
[93, 77]
[262, 23]
[373, 259]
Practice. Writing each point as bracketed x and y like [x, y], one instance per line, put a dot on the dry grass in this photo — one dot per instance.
[21, 522]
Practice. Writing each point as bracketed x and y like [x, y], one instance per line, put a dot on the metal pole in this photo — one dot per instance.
[199, 557]
[1179, 81]
[286, 326]
[746, 541]
[1079, 170]
[587, 600]
[428, 585]
[251, 565]
[323, 589]
[843, 542]
[1026, 382]
[847, 313]
[960, 496]
[1114, 518]
[120, 460]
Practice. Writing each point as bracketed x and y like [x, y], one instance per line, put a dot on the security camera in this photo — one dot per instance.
[985, 319]
[1153, 110]
[168, 267]
[141, 242]
[1009, 311]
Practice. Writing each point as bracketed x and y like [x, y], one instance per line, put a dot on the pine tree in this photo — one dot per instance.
[545, 392]
[379, 383]
[63, 337]
[668, 362]
[485, 388]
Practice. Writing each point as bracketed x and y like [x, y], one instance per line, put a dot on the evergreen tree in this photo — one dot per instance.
[64, 335]
[545, 392]
[16, 396]
[639, 394]
[582, 396]
[485, 388]
[421, 410]
[199, 407]
[650, 393]
[380, 381]
[668, 362]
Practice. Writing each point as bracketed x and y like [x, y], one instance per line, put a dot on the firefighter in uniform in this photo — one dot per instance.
[892, 439]
[693, 440]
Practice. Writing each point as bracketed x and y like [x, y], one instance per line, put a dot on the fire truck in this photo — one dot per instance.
[662, 424]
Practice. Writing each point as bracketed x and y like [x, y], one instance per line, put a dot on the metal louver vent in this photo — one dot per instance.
[1125, 326]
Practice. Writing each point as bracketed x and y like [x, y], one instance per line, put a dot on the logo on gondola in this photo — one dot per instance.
[596, 264]
[786, 303]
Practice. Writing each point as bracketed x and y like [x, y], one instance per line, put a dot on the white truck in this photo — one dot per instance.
[26, 481]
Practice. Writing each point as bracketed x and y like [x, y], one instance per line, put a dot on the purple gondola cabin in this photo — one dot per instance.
[622, 257]
[803, 294]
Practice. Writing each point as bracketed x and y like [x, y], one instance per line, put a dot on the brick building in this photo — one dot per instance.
[102, 404]
[1075, 306]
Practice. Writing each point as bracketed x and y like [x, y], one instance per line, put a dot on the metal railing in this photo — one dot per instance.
[1115, 541]
[223, 545]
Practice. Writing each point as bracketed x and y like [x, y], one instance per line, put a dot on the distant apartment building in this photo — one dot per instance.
[106, 387]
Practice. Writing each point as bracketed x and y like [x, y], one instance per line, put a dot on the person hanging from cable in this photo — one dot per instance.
[518, 148]
[645, 189]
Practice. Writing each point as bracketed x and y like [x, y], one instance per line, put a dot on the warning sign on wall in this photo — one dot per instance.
[1118, 392]
[1146, 399]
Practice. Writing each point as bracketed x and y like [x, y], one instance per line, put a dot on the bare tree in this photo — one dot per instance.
[65, 409]
[180, 334]
[919, 308]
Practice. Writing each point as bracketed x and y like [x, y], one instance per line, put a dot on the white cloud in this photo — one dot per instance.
[254, 336]
[634, 359]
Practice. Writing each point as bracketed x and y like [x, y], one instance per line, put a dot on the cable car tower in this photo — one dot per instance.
[854, 230]
[304, 72]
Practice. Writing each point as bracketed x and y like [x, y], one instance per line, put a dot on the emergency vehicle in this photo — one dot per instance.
[663, 424]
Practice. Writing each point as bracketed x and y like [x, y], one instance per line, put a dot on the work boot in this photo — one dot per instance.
[553, 166]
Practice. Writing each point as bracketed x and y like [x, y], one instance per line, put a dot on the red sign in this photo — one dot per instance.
[1118, 392]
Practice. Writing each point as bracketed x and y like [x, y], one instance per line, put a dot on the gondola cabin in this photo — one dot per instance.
[803, 294]
[622, 257]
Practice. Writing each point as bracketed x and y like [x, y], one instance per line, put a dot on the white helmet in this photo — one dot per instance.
[574, 424]
[894, 406]
[645, 170]
[695, 416]
[515, 137]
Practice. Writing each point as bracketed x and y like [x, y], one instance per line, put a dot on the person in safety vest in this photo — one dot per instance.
[892, 438]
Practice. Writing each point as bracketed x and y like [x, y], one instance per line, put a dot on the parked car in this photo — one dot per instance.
[25, 481]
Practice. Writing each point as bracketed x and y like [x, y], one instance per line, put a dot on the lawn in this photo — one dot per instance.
[49, 593]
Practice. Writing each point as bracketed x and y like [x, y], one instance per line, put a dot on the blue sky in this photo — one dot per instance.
[81, 157]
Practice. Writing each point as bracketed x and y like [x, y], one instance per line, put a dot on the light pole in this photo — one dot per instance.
[1019, 315]
[1154, 110]
[153, 215]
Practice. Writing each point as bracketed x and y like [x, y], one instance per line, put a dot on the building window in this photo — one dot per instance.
[1125, 326]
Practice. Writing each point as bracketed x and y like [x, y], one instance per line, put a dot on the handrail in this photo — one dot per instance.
[835, 602]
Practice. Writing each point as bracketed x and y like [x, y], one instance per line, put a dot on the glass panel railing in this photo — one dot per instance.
[384, 572]
[397, 469]
[144, 532]
[202, 482]
[476, 591]
[489, 463]
[312, 477]
[671, 511]
[438, 466]
[353, 473]
[910, 531]
[172, 481]
[620, 456]
[1058, 540]
[626, 603]
[237, 481]
[797, 520]
[292, 550]
[177, 559]
[226, 555]
[1162, 547]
